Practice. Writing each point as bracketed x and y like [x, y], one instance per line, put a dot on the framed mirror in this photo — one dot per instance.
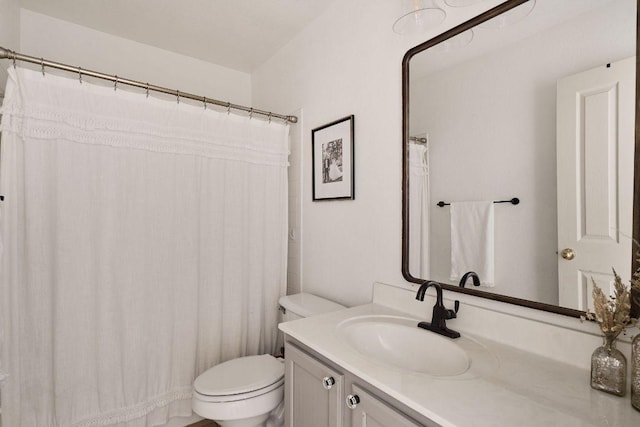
[519, 148]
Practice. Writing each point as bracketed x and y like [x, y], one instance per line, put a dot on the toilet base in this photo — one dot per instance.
[264, 410]
[274, 419]
[257, 421]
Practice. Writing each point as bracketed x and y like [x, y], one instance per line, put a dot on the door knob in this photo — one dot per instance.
[568, 254]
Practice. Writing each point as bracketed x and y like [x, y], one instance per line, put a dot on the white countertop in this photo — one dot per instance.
[521, 389]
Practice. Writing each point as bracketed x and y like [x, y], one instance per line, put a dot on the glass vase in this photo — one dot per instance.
[635, 372]
[609, 368]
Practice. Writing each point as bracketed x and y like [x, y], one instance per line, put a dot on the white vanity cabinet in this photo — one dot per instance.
[366, 410]
[313, 392]
[504, 386]
[321, 394]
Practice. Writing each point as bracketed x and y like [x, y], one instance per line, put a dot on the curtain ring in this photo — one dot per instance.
[178, 96]
[251, 114]
[147, 90]
[270, 117]
[80, 75]
[115, 84]
[204, 101]
[14, 60]
[42, 65]
[228, 109]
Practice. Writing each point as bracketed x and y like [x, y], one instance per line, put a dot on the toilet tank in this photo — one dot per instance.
[298, 306]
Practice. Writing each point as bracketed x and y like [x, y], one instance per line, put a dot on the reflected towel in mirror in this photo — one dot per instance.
[472, 240]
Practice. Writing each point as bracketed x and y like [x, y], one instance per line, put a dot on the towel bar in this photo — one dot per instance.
[513, 201]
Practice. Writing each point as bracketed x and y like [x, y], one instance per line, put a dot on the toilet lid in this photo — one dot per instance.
[240, 375]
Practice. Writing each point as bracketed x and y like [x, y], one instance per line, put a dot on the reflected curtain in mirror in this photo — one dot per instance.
[419, 216]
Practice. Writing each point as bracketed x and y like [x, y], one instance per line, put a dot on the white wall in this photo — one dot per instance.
[507, 145]
[348, 61]
[9, 33]
[61, 41]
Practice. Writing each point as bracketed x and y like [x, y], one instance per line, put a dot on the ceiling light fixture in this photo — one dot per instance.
[456, 42]
[511, 17]
[418, 16]
[461, 3]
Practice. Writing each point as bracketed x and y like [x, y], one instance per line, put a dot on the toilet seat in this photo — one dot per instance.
[239, 396]
[240, 378]
[242, 409]
[247, 388]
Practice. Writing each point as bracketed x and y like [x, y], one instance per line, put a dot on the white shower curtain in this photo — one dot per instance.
[143, 241]
[419, 210]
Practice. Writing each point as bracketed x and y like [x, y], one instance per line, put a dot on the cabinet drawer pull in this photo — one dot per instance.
[328, 382]
[352, 401]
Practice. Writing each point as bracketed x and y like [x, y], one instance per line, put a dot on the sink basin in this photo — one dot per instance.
[398, 342]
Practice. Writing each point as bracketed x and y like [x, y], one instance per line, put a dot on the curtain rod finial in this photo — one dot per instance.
[5, 53]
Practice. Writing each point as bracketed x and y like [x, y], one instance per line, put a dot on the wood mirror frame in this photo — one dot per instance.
[405, 168]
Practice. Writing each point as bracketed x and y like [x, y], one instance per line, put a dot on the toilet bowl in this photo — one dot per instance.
[249, 391]
[241, 392]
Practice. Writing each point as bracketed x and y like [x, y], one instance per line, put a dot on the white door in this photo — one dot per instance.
[595, 148]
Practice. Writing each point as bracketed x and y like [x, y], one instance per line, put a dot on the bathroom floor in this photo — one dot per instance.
[204, 423]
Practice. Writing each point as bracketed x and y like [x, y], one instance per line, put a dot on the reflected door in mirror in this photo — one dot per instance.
[595, 129]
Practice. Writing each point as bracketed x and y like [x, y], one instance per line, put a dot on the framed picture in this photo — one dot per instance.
[332, 157]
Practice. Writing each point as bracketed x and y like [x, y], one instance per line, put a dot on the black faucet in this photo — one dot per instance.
[440, 313]
[474, 277]
[463, 281]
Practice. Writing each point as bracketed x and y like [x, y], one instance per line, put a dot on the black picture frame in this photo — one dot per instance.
[333, 161]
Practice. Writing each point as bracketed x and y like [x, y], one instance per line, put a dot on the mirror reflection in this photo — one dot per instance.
[540, 108]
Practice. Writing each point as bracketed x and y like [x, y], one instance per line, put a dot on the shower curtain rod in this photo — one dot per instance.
[14, 56]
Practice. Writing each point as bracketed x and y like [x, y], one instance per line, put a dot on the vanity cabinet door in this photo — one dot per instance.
[367, 410]
[313, 392]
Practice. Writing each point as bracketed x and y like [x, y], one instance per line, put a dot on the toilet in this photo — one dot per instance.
[249, 391]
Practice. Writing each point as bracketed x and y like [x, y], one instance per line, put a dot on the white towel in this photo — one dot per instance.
[472, 240]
